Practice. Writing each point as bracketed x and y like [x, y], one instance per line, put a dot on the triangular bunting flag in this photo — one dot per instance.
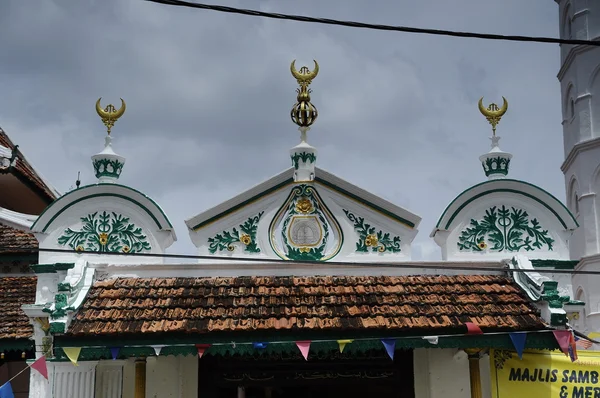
[260, 346]
[518, 340]
[563, 338]
[572, 348]
[432, 339]
[114, 352]
[304, 347]
[342, 344]
[390, 346]
[472, 328]
[157, 349]
[202, 349]
[40, 366]
[6, 391]
[73, 354]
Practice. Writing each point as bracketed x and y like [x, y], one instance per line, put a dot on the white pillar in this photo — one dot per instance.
[109, 379]
[74, 381]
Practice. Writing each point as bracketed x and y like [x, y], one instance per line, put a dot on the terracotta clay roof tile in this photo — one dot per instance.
[201, 305]
[14, 292]
[13, 240]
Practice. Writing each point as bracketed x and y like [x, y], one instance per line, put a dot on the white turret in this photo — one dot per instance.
[579, 77]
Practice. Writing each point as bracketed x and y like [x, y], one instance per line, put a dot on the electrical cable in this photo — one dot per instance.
[363, 25]
[400, 265]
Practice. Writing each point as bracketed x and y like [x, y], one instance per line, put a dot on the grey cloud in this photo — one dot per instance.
[209, 96]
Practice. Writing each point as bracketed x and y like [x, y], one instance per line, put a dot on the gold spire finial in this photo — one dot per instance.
[110, 114]
[493, 113]
[304, 113]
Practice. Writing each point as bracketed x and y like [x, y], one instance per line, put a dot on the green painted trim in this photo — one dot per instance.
[362, 201]
[534, 341]
[16, 345]
[101, 195]
[505, 190]
[51, 268]
[556, 264]
[244, 203]
[291, 181]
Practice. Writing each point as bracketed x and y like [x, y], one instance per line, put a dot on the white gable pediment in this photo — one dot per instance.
[324, 220]
[106, 219]
[500, 218]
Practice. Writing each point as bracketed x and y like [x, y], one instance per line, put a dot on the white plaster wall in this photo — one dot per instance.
[444, 373]
[172, 377]
[477, 210]
[335, 202]
[129, 378]
[109, 379]
[589, 318]
[74, 381]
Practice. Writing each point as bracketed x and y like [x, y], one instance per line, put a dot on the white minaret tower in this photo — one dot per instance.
[579, 78]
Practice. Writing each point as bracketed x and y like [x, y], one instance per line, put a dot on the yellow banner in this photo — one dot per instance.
[545, 374]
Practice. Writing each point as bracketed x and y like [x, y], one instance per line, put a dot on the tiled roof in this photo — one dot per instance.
[13, 240]
[323, 303]
[14, 292]
[26, 170]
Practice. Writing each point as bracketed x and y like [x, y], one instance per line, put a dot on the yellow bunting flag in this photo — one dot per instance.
[342, 344]
[73, 354]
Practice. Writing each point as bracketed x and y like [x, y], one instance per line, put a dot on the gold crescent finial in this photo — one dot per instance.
[304, 76]
[304, 113]
[493, 113]
[110, 114]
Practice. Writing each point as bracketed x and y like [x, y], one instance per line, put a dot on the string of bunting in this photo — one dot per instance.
[565, 339]
[39, 364]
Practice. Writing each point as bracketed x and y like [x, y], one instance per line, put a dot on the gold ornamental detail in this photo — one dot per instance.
[304, 113]
[110, 114]
[493, 113]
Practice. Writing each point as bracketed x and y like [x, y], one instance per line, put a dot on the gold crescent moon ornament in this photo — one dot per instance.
[304, 113]
[305, 75]
[493, 113]
[110, 114]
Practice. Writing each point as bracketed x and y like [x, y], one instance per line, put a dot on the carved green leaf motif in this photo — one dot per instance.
[304, 156]
[246, 235]
[497, 165]
[369, 237]
[107, 167]
[106, 233]
[504, 229]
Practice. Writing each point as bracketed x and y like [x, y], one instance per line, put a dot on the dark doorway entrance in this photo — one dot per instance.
[290, 376]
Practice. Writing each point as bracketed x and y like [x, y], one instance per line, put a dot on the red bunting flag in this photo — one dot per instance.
[201, 349]
[566, 342]
[304, 347]
[472, 328]
[40, 366]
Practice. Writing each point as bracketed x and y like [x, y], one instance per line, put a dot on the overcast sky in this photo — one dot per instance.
[208, 96]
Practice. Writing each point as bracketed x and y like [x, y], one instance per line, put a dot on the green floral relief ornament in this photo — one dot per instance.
[108, 168]
[304, 156]
[106, 233]
[371, 239]
[504, 230]
[246, 235]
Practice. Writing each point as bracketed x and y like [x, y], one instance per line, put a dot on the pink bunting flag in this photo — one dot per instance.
[40, 366]
[472, 328]
[202, 349]
[564, 338]
[304, 346]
